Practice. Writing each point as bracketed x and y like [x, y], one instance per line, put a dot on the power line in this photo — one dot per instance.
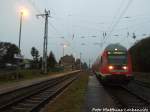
[34, 6]
[118, 19]
[111, 25]
[115, 16]
[121, 15]
[54, 28]
[38, 11]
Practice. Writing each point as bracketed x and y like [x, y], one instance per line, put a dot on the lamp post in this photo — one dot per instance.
[23, 13]
[64, 46]
[20, 29]
[80, 61]
[63, 51]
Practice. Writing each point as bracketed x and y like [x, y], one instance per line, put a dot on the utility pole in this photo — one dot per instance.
[80, 60]
[44, 60]
[63, 50]
[89, 63]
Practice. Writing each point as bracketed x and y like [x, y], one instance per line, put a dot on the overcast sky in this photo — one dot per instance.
[85, 19]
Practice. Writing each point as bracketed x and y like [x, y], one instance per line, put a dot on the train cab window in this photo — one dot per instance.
[117, 59]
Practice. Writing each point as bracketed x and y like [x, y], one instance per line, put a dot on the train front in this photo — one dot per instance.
[118, 65]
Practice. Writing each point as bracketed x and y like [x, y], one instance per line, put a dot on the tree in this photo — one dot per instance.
[78, 63]
[7, 52]
[33, 52]
[51, 60]
[84, 66]
[140, 55]
[40, 62]
[35, 55]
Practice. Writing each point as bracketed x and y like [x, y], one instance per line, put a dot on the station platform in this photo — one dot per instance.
[20, 84]
[96, 98]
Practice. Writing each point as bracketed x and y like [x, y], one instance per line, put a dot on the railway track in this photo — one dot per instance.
[34, 97]
[125, 98]
[141, 83]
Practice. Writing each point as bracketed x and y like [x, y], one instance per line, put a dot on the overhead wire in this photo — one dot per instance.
[118, 19]
[112, 25]
[120, 16]
[37, 9]
[113, 20]
[115, 15]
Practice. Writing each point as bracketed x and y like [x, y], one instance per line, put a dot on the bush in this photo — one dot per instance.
[140, 54]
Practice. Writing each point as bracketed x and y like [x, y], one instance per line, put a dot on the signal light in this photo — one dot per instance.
[110, 67]
[125, 67]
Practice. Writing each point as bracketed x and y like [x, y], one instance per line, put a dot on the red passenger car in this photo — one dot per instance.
[114, 64]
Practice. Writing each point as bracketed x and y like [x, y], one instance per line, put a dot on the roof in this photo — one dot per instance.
[112, 47]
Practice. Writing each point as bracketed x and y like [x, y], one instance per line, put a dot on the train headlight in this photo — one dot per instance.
[125, 67]
[110, 67]
[116, 49]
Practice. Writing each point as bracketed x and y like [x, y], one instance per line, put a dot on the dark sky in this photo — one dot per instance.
[85, 19]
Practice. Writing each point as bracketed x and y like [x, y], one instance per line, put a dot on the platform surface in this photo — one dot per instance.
[96, 97]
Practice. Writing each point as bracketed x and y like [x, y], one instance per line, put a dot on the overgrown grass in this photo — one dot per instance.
[72, 99]
[145, 77]
[20, 75]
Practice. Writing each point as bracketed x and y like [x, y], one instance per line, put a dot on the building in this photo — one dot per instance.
[68, 62]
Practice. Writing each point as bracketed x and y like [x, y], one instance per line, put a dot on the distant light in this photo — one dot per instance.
[24, 12]
[64, 45]
[116, 49]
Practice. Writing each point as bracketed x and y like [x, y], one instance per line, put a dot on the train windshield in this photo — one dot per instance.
[117, 58]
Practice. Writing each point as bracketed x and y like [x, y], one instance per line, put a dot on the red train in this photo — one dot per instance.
[114, 64]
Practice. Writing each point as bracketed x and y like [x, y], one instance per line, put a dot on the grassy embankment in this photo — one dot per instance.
[10, 77]
[144, 77]
[140, 55]
[73, 97]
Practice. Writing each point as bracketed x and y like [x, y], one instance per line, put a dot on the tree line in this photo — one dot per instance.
[140, 55]
[9, 50]
[37, 60]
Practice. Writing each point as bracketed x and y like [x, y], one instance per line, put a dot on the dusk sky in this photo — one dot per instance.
[81, 23]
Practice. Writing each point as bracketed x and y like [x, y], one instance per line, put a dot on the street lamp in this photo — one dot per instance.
[23, 12]
[64, 46]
